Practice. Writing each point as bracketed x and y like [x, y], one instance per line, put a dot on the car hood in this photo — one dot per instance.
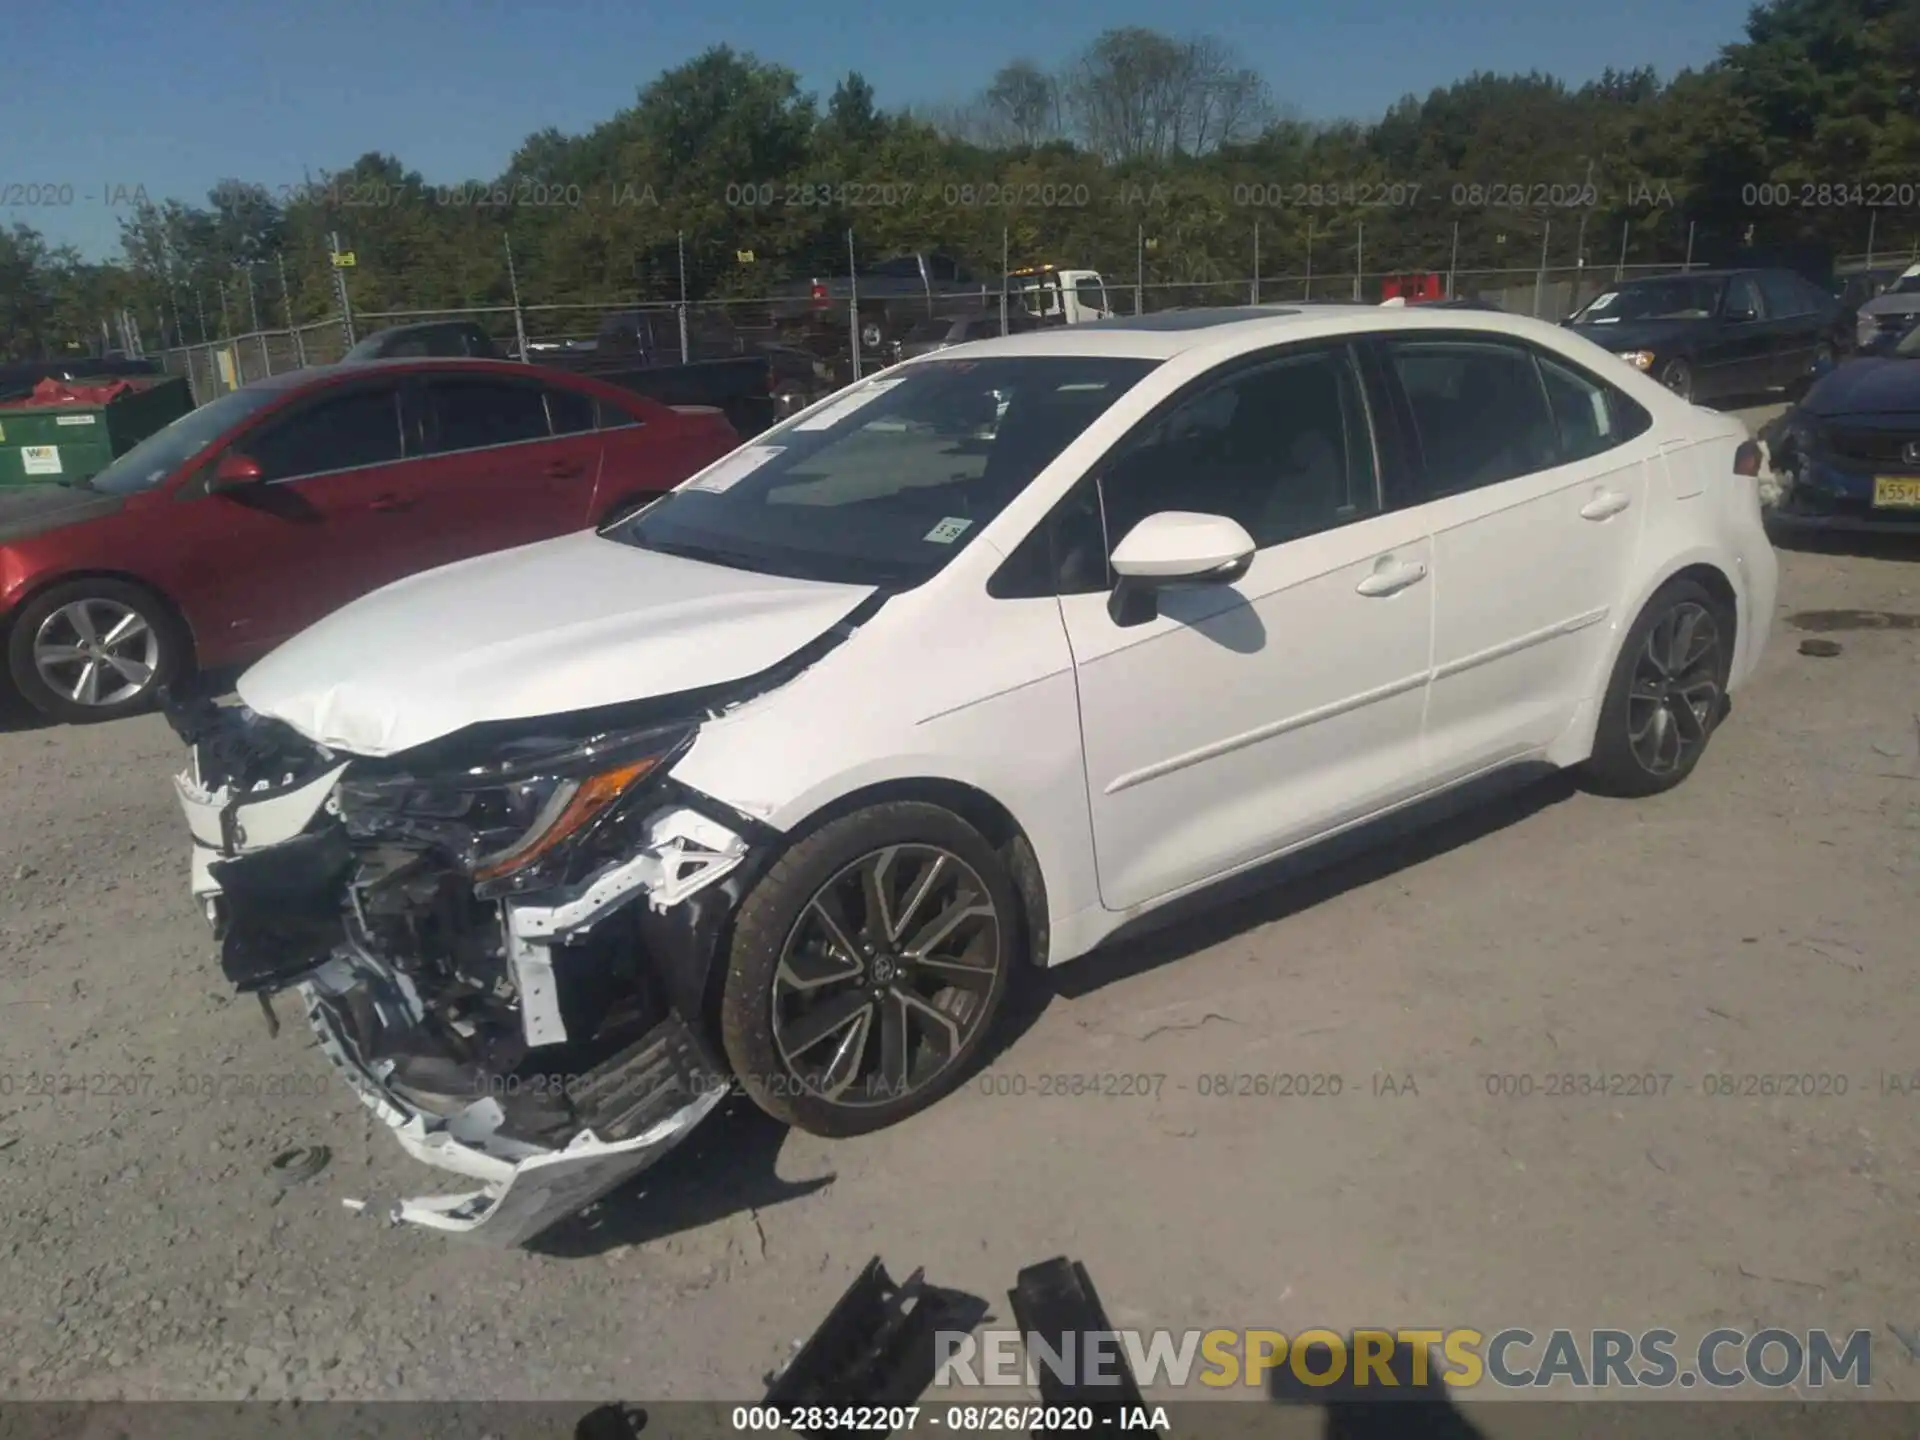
[1623, 335]
[1870, 385]
[28, 510]
[1907, 304]
[546, 629]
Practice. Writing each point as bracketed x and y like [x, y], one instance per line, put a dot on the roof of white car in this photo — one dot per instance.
[1166, 333]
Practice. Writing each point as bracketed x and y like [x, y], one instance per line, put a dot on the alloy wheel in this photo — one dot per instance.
[1678, 377]
[1675, 690]
[884, 978]
[96, 652]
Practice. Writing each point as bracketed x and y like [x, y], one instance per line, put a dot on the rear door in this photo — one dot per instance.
[507, 461]
[1750, 340]
[1534, 485]
[1795, 322]
[323, 528]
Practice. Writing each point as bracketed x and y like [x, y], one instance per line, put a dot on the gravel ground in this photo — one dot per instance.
[1759, 920]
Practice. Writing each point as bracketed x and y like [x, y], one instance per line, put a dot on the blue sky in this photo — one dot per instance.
[174, 97]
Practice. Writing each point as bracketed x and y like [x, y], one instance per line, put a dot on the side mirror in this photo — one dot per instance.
[1740, 317]
[235, 472]
[1175, 548]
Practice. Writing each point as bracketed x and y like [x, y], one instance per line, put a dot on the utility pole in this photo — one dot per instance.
[513, 288]
[340, 285]
[286, 296]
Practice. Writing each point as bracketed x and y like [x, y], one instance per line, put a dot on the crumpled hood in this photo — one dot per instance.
[546, 629]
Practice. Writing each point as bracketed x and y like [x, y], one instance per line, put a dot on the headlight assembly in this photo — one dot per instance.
[518, 821]
[1639, 359]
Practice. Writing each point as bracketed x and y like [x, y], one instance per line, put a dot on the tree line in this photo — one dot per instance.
[1147, 156]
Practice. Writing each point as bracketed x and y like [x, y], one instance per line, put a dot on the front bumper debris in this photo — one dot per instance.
[275, 871]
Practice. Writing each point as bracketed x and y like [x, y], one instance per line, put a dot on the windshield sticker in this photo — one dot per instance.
[720, 478]
[1604, 301]
[847, 405]
[948, 530]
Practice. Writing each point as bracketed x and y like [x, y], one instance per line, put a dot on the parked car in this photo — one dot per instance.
[783, 778]
[894, 296]
[948, 331]
[1718, 334]
[635, 350]
[1888, 316]
[247, 519]
[1847, 457]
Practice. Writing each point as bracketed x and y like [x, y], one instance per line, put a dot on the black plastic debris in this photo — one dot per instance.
[1056, 1307]
[611, 1422]
[303, 1162]
[875, 1348]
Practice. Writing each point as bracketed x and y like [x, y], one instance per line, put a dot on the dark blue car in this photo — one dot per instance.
[1848, 455]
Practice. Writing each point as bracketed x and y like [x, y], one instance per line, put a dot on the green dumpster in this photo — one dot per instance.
[44, 440]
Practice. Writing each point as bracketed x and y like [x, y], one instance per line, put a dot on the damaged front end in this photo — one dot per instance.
[501, 938]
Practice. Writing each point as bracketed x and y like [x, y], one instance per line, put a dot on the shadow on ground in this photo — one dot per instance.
[724, 1168]
[1415, 1407]
[1288, 886]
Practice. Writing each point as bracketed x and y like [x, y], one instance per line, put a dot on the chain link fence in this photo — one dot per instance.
[1200, 270]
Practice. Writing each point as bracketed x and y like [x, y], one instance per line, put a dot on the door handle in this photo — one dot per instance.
[564, 469]
[1391, 579]
[1604, 505]
[390, 504]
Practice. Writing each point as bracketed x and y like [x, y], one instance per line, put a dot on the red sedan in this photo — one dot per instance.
[250, 518]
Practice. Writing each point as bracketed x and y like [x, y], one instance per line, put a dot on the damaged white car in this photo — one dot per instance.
[776, 782]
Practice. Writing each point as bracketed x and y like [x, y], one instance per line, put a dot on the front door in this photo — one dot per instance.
[1250, 716]
[322, 528]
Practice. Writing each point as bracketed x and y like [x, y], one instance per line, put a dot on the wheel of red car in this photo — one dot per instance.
[93, 650]
[867, 967]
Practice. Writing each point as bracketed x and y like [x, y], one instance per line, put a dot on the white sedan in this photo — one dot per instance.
[774, 784]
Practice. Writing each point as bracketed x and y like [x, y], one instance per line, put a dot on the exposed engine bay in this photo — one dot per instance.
[503, 939]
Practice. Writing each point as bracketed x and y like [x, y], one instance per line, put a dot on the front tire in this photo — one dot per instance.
[1677, 376]
[1667, 693]
[867, 968]
[93, 650]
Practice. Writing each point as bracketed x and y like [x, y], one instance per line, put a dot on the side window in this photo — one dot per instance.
[941, 270]
[341, 432]
[472, 414]
[1283, 448]
[1743, 298]
[1782, 294]
[608, 416]
[1480, 412]
[1586, 413]
[904, 267]
[569, 412]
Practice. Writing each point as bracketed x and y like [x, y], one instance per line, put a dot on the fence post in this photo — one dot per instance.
[1873, 221]
[1308, 293]
[680, 241]
[340, 286]
[1359, 256]
[1256, 260]
[1540, 275]
[253, 309]
[226, 321]
[1626, 228]
[1139, 267]
[1453, 259]
[513, 289]
[1686, 266]
[286, 295]
[853, 303]
[1005, 260]
[200, 303]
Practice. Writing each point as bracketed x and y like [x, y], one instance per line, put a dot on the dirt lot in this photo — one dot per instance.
[1759, 921]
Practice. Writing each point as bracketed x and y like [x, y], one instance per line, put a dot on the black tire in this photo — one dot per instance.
[1619, 764]
[163, 661]
[1677, 376]
[764, 1002]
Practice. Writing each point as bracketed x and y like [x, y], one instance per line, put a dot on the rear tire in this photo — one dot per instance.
[94, 650]
[1667, 693]
[842, 1013]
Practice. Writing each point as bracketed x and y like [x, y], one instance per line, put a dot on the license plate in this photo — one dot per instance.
[1896, 492]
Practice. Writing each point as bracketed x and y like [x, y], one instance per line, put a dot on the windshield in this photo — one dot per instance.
[163, 453]
[894, 478]
[1677, 299]
[1905, 285]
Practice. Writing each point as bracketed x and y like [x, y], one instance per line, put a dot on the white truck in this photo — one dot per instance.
[1053, 296]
